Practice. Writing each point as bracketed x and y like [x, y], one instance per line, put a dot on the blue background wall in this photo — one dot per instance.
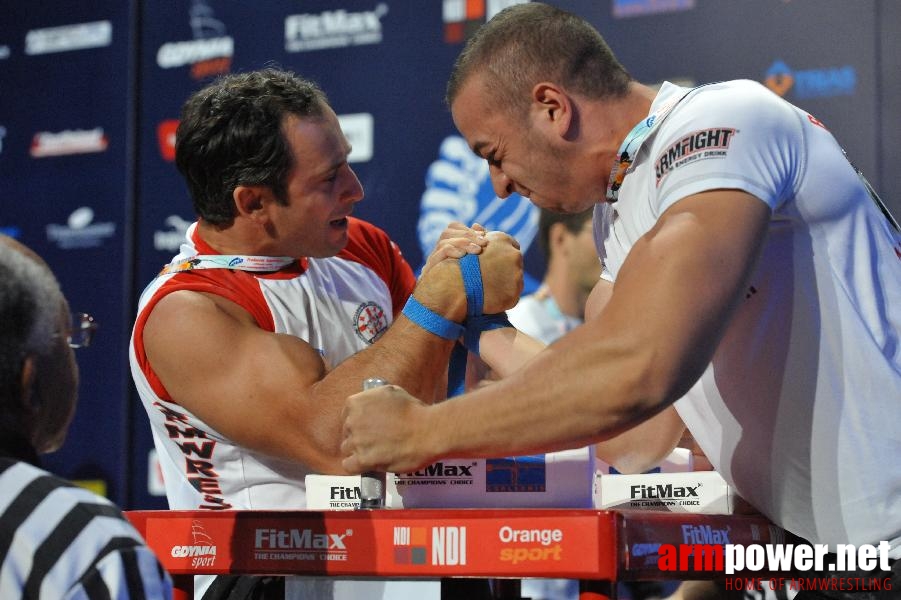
[89, 97]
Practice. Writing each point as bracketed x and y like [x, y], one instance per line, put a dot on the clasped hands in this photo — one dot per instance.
[387, 429]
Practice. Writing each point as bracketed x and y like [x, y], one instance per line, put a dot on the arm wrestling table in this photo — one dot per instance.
[597, 547]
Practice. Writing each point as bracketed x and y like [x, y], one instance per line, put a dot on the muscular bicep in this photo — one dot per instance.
[642, 447]
[252, 386]
[598, 298]
[676, 291]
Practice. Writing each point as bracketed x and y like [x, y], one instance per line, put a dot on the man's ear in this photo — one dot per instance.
[251, 201]
[28, 401]
[553, 108]
[556, 236]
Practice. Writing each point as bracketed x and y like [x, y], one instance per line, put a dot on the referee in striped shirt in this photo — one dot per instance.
[56, 540]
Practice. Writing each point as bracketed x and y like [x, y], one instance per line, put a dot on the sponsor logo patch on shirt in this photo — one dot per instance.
[370, 321]
[697, 145]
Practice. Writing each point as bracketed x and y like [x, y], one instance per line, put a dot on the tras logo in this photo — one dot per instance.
[439, 546]
[811, 83]
[202, 550]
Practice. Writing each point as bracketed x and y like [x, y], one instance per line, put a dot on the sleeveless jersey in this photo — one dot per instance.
[339, 305]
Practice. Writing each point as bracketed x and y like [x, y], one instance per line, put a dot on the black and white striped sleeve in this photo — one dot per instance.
[61, 541]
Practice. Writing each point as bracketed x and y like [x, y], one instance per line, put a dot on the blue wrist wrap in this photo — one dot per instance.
[476, 325]
[431, 321]
[472, 284]
[476, 322]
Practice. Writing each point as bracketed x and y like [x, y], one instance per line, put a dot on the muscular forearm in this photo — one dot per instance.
[406, 355]
[535, 409]
[644, 446]
[507, 349]
[682, 280]
[632, 451]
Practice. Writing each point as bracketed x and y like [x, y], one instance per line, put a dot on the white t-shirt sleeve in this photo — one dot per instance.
[743, 137]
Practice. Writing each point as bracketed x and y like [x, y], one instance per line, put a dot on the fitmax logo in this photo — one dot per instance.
[334, 29]
[704, 534]
[302, 539]
[439, 469]
[663, 492]
[337, 492]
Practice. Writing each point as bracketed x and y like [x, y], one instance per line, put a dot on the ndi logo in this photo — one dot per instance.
[811, 83]
[448, 546]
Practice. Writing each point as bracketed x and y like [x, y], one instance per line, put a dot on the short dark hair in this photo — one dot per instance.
[526, 43]
[573, 222]
[230, 134]
[30, 305]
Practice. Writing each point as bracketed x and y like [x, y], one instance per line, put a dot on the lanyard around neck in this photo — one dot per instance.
[258, 264]
[633, 143]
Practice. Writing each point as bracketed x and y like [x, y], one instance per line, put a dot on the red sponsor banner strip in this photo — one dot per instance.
[567, 543]
[645, 532]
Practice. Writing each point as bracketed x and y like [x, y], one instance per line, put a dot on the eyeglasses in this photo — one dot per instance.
[81, 332]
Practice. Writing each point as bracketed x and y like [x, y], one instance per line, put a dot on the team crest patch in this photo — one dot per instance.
[698, 145]
[370, 322]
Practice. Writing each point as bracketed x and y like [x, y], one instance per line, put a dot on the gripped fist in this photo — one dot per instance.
[441, 287]
[456, 241]
[502, 278]
[384, 429]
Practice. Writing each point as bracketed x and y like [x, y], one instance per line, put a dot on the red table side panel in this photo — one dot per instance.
[565, 543]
